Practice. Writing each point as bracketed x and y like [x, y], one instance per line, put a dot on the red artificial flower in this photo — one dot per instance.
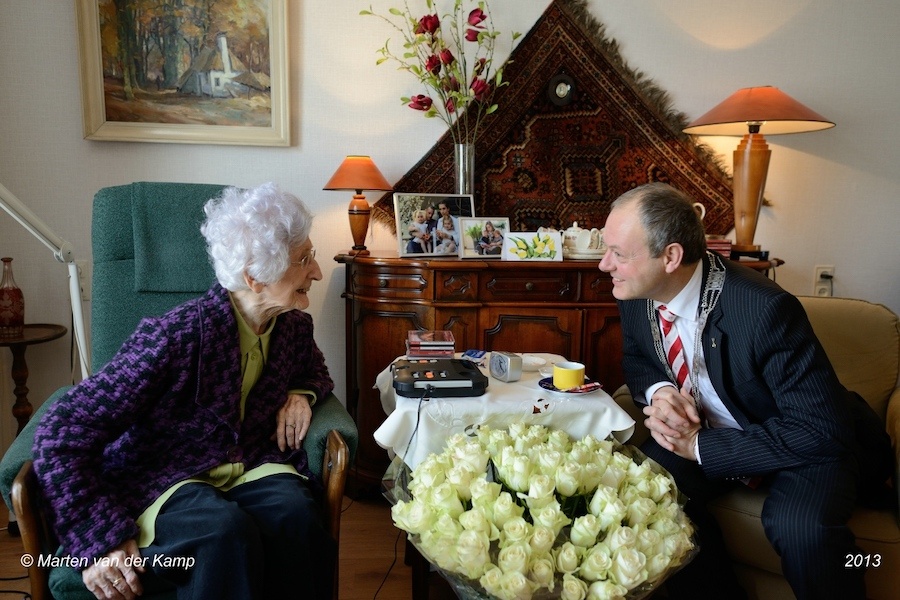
[433, 65]
[447, 57]
[450, 105]
[428, 24]
[478, 67]
[471, 35]
[476, 17]
[420, 102]
[450, 85]
[480, 89]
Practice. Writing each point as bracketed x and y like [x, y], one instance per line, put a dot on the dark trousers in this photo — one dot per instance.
[262, 539]
[804, 516]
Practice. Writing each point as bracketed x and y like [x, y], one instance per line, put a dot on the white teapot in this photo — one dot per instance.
[583, 241]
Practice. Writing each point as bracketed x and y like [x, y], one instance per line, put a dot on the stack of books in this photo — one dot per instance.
[437, 343]
[720, 244]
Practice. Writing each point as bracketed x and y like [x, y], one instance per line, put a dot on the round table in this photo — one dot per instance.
[33, 333]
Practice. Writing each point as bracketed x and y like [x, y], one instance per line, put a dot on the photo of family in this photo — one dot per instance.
[430, 223]
[483, 237]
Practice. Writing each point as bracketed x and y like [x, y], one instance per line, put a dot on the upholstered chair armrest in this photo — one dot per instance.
[892, 424]
[20, 450]
[328, 414]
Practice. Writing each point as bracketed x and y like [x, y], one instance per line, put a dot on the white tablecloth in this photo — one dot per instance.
[415, 428]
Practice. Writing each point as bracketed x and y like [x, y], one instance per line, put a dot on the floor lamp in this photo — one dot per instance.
[747, 113]
[62, 250]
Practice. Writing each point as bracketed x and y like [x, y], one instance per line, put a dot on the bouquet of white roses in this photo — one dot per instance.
[529, 513]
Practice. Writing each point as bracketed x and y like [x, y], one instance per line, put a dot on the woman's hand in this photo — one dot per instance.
[293, 422]
[112, 577]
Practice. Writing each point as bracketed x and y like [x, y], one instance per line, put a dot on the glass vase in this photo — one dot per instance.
[464, 165]
[12, 304]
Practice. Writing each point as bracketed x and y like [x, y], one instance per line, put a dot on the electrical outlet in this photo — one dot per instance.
[84, 279]
[823, 280]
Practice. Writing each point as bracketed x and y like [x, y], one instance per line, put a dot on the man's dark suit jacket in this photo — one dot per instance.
[768, 368]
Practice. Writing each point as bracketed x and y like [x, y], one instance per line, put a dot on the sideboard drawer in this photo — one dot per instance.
[596, 287]
[406, 284]
[531, 286]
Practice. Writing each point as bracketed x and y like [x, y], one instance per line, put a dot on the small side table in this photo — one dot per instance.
[35, 333]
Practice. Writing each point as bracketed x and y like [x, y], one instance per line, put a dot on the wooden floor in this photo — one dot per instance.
[371, 567]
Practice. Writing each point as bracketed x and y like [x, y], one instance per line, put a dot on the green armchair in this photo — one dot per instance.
[149, 256]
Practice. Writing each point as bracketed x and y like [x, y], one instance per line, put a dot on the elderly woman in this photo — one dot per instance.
[182, 458]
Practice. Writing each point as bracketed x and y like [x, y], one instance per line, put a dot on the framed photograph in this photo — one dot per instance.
[216, 74]
[429, 223]
[482, 237]
[545, 245]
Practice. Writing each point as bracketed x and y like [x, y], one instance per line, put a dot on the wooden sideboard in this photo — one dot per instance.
[565, 308]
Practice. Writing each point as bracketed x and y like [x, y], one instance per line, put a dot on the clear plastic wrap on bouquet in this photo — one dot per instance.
[503, 535]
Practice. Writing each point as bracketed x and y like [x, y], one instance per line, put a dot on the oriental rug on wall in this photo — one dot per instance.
[546, 160]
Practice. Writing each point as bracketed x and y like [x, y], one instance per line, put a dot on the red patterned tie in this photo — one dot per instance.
[674, 347]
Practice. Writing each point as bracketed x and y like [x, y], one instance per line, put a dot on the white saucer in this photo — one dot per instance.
[587, 255]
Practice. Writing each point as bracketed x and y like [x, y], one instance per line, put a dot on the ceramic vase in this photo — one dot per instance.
[12, 304]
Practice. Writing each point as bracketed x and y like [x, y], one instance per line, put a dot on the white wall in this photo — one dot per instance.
[835, 194]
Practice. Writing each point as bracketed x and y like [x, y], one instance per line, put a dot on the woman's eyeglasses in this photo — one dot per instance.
[306, 260]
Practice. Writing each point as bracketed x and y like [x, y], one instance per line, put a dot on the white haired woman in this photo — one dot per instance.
[181, 460]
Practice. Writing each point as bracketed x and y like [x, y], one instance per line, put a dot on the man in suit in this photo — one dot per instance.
[736, 390]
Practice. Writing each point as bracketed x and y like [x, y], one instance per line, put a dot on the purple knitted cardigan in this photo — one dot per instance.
[165, 408]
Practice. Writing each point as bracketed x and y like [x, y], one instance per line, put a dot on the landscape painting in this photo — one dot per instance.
[190, 71]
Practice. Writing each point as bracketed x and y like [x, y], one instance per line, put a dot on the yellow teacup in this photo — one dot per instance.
[567, 374]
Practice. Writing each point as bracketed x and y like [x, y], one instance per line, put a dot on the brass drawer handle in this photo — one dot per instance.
[529, 286]
[382, 283]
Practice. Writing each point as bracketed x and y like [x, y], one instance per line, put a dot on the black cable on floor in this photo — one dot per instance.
[390, 568]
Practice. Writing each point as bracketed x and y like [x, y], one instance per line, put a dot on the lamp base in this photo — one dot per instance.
[746, 247]
[359, 212]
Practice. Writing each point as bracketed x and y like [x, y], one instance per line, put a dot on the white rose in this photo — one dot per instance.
[660, 486]
[573, 588]
[606, 590]
[585, 530]
[461, 477]
[621, 537]
[567, 557]
[650, 542]
[492, 579]
[551, 516]
[657, 564]
[640, 511]
[548, 460]
[606, 506]
[540, 492]
[542, 539]
[494, 440]
[443, 499]
[559, 440]
[591, 475]
[514, 557]
[515, 586]
[505, 509]
[628, 567]
[568, 478]
[581, 453]
[515, 530]
[518, 430]
[542, 572]
[515, 470]
[484, 493]
[677, 545]
[476, 519]
[596, 563]
[413, 516]
[440, 548]
[431, 472]
[472, 549]
[621, 461]
[472, 454]
[613, 476]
